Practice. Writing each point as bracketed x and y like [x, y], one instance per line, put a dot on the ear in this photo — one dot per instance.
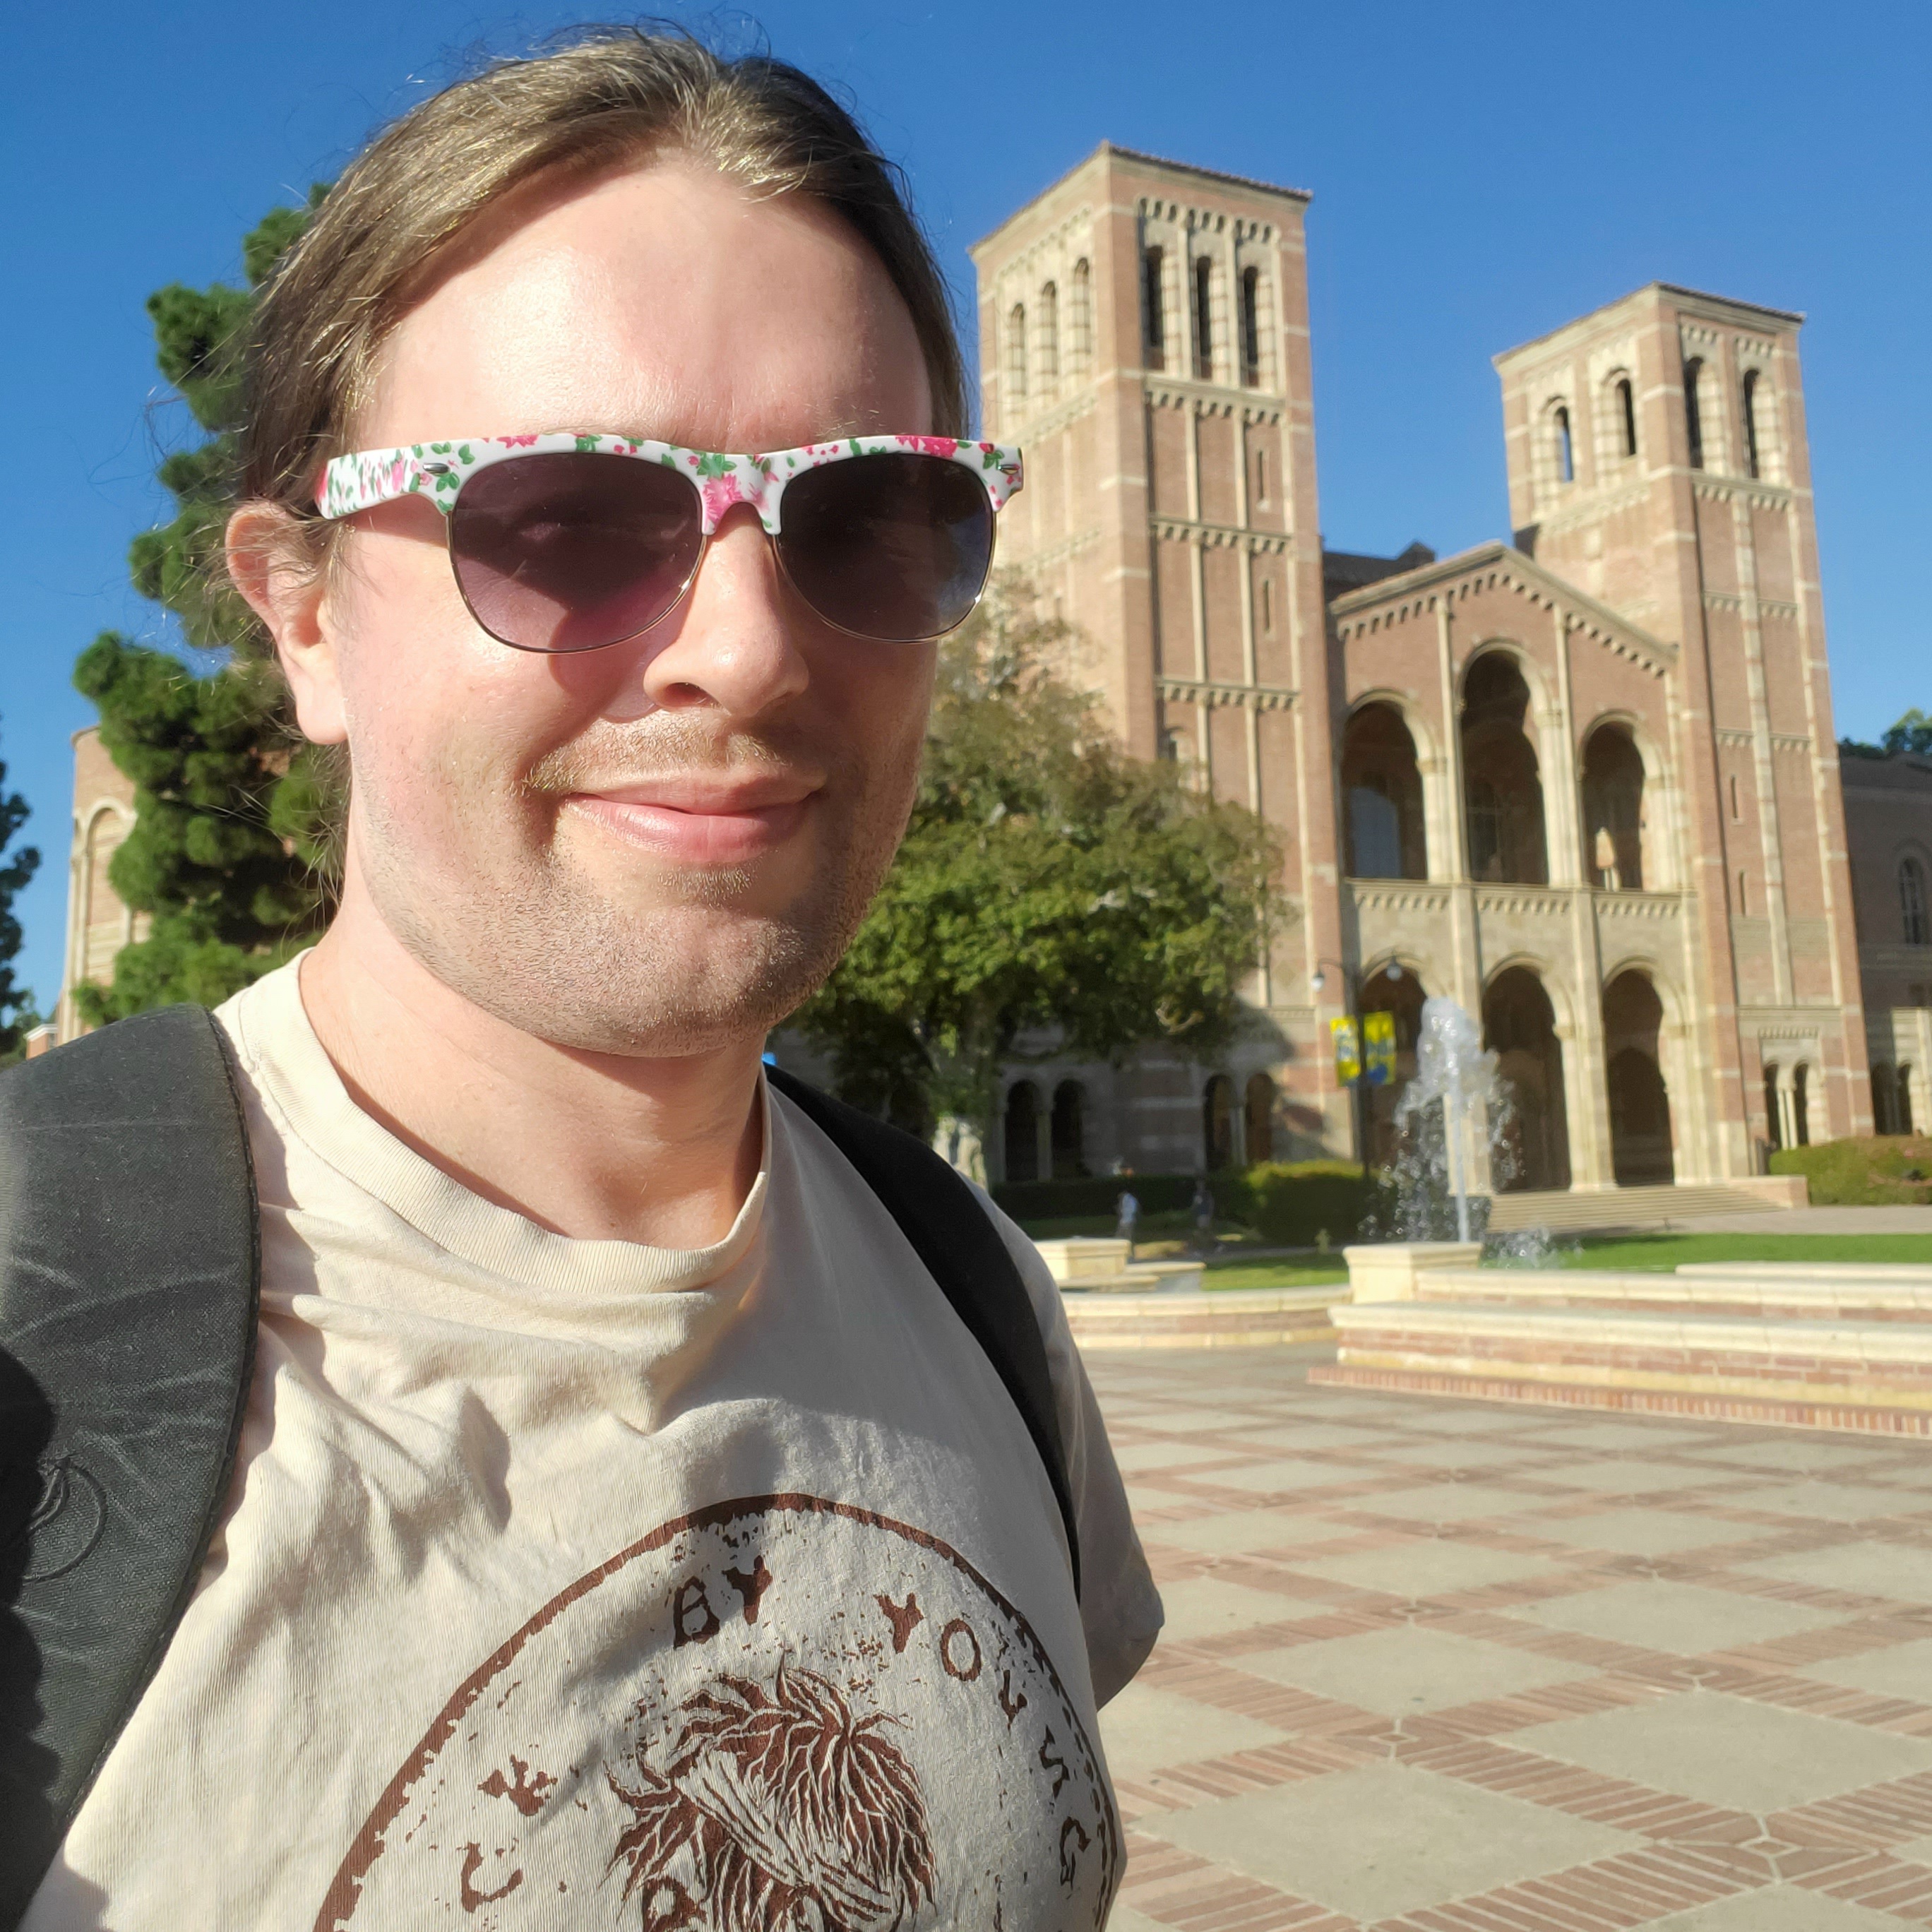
[268, 565]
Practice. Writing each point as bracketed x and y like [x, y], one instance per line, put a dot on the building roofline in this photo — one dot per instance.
[1113, 148]
[1792, 318]
[1392, 589]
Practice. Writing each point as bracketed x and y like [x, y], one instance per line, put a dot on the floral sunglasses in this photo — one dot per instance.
[569, 543]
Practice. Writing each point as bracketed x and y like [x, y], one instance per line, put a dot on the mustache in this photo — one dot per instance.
[666, 745]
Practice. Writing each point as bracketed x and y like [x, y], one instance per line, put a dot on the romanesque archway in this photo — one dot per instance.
[1022, 1131]
[1069, 1126]
[1519, 1026]
[1381, 797]
[1613, 819]
[1258, 1121]
[1642, 1154]
[1503, 792]
[1217, 1124]
[1400, 993]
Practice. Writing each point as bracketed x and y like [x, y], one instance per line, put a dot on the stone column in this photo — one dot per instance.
[1592, 1162]
[1465, 944]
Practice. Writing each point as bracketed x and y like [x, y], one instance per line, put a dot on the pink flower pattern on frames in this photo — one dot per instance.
[436, 470]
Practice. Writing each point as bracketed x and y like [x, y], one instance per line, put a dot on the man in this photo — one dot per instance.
[624, 1529]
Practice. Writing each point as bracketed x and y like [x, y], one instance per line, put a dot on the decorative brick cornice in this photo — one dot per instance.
[1215, 694]
[1493, 566]
[1219, 536]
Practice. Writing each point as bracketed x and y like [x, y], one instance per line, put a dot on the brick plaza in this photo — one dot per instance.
[1437, 1665]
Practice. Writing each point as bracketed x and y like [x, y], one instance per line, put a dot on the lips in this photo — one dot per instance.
[693, 820]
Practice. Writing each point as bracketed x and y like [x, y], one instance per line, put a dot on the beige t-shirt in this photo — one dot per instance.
[579, 1583]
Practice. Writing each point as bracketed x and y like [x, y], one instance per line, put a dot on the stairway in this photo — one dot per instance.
[1574, 1212]
[1219, 1318]
[1847, 1349]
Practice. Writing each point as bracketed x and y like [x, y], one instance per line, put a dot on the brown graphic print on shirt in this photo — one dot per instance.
[778, 1714]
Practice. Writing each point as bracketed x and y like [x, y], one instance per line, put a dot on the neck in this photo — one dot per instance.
[598, 1147]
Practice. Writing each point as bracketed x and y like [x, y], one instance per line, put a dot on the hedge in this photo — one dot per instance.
[1875, 1171]
[1293, 1204]
[1289, 1203]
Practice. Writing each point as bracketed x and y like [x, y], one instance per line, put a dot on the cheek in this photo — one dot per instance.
[437, 711]
[885, 693]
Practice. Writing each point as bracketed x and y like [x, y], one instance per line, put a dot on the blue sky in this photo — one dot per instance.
[1482, 172]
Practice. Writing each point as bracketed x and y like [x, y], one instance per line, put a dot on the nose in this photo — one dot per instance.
[734, 646]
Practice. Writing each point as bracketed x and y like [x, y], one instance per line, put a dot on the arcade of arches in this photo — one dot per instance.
[1502, 788]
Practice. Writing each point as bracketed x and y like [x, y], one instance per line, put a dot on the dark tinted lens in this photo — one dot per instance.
[894, 547]
[569, 551]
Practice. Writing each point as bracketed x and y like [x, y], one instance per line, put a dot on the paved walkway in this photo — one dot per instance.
[1435, 1666]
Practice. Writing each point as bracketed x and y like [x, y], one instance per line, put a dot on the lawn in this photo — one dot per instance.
[1285, 1273]
[1664, 1251]
[1649, 1253]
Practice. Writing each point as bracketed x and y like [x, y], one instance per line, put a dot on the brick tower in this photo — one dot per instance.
[1657, 460]
[1144, 332]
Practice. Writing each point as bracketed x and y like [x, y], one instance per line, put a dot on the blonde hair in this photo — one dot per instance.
[610, 95]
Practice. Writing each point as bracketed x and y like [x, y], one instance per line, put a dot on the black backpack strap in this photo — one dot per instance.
[950, 1232]
[129, 1282]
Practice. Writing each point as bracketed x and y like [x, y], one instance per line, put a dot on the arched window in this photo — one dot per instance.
[1735, 814]
[1912, 901]
[1743, 897]
[1016, 354]
[1503, 791]
[1070, 1111]
[1204, 319]
[1217, 1124]
[1154, 308]
[1613, 822]
[1049, 337]
[1261, 475]
[1258, 1118]
[1627, 414]
[1750, 420]
[1251, 327]
[1081, 318]
[1801, 1103]
[1267, 607]
[1566, 453]
[1022, 1131]
[1693, 409]
[1774, 1126]
[1381, 797]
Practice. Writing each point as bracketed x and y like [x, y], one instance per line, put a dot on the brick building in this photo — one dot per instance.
[1585, 781]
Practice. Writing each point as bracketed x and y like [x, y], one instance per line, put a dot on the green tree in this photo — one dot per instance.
[226, 849]
[1046, 880]
[1910, 737]
[17, 1012]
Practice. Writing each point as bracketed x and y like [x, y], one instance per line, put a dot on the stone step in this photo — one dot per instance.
[1219, 1318]
[1796, 1294]
[1582, 1210]
[1865, 1376]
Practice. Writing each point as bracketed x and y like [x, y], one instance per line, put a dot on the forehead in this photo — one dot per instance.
[664, 301]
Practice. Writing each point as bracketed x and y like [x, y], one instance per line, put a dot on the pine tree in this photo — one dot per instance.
[225, 854]
[17, 1012]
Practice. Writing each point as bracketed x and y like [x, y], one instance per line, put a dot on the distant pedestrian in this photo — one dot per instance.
[1127, 1211]
[1204, 1213]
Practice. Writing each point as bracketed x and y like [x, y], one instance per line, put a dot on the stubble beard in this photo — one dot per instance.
[523, 932]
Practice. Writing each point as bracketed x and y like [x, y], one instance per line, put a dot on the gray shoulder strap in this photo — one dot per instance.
[129, 1280]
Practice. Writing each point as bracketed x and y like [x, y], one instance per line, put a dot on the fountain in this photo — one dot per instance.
[1453, 1074]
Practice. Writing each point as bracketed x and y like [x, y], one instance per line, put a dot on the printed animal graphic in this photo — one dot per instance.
[778, 1811]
